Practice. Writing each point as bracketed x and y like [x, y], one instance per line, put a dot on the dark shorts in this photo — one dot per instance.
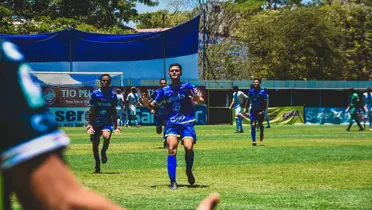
[256, 117]
[98, 130]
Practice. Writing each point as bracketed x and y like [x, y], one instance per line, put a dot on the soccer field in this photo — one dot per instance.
[296, 167]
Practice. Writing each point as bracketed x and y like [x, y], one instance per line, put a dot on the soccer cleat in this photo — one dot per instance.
[97, 168]
[104, 157]
[361, 129]
[159, 129]
[236, 131]
[347, 129]
[241, 131]
[190, 177]
[261, 138]
[268, 126]
[173, 185]
[254, 143]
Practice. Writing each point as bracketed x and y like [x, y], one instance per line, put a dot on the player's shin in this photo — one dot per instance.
[253, 132]
[189, 158]
[261, 131]
[240, 124]
[236, 123]
[172, 165]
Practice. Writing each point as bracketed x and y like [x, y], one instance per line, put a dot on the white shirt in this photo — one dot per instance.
[367, 98]
[238, 98]
[133, 98]
[120, 101]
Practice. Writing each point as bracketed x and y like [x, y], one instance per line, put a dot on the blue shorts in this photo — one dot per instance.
[160, 120]
[181, 131]
[98, 130]
[256, 117]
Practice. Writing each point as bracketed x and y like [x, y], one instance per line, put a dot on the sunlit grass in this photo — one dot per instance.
[296, 167]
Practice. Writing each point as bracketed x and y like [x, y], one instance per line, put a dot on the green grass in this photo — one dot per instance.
[297, 167]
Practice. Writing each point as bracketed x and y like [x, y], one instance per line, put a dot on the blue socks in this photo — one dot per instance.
[172, 165]
[237, 124]
[240, 123]
[253, 133]
[189, 158]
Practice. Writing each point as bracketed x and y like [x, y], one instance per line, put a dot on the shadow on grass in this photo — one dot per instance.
[107, 173]
[182, 185]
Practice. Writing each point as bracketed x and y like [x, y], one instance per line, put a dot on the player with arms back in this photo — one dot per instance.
[131, 105]
[258, 101]
[237, 102]
[161, 112]
[102, 119]
[181, 119]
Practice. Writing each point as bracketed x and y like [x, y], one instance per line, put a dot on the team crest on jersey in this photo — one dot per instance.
[50, 96]
[41, 122]
[177, 118]
[31, 90]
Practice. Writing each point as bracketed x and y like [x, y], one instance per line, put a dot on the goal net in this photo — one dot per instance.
[90, 79]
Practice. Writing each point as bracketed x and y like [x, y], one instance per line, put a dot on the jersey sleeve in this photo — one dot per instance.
[264, 95]
[160, 96]
[28, 129]
[241, 94]
[193, 90]
[115, 100]
[93, 99]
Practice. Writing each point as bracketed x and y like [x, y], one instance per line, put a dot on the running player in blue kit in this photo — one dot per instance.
[161, 112]
[257, 98]
[102, 119]
[181, 119]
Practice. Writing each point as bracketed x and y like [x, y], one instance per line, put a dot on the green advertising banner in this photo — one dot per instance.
[287, 115]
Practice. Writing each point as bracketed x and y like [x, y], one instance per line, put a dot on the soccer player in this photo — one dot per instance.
[258, 100]
[180, 124]
[237, 102]
[367, 101]
[132, 101]
[353, 109]
[31, 160]
[102, 119]
[267, 111]
[119, 106]
[160, 113]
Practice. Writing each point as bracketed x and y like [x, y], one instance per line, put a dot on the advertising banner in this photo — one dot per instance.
[323, 115]
[287, 115]
[60, 96]
[78, 116]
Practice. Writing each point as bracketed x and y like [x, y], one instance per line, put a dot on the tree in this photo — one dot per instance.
[98, 13]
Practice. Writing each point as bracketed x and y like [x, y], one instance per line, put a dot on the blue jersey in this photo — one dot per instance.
[104, 102]
[178, 103]
[257, 99]
[162, 104]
